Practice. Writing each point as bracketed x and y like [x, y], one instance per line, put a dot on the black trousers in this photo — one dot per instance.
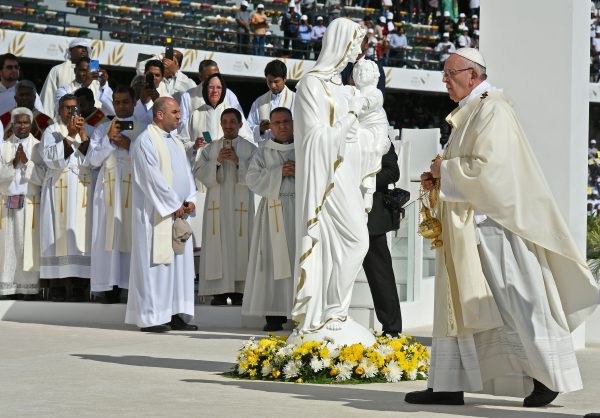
[380, 275]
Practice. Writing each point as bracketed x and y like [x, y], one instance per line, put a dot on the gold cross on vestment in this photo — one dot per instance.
[60, 190]
[274, 206]
[213, 209]
[85, 183]
[241, 210]
[110, 182]
[33, 203]
[128, 182]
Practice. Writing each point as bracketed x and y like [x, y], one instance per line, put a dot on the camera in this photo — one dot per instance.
[150, 81]
[75, 111]
[125, 125]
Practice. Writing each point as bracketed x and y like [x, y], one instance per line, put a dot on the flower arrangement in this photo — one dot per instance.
[390, 359]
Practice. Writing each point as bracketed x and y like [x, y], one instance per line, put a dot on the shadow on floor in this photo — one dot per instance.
[161, 362]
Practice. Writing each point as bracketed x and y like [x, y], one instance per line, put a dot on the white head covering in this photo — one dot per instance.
[472, 54]
[304, 17]
[244, 3]
[20, 111]
[79, 42]
[446, 14]
[341, 45]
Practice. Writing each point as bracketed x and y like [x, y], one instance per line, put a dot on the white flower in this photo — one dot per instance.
[384, 350]
[394, 372]
[325, 363]
[328, 340]
[292, 368]
[412, 375]
[344, 371]
[285, 351]
[334, 352]
[370, 369]
[422, 375]
[315, 364]
[266, 370]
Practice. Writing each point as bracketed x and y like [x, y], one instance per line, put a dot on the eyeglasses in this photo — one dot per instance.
[452, 73]
[11, 67]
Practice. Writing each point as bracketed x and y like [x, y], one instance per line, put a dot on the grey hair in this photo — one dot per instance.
[480, 71]
[26, 83]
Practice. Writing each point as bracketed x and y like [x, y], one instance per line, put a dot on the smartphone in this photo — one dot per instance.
[94, 66]
[125, 125]
[75, 111]
[227, 143]
[207, 137]
[150, 81]
[169, 52]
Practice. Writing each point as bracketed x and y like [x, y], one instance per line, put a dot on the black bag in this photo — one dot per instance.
[394, 200]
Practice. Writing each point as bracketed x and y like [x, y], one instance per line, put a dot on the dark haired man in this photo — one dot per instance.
[10, 72]
[279, 95]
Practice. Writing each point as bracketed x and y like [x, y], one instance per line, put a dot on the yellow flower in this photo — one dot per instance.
[276, 373]
[359, 370]
[324, 352]
[299, 380]
[333, 371]
[252, 372]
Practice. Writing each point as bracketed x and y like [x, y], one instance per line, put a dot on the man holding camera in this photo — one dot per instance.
[111, 231]
[83, 78]
[153, 88]
[66, 204]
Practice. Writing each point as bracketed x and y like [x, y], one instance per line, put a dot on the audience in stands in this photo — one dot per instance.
[259, 24]
[242, 18]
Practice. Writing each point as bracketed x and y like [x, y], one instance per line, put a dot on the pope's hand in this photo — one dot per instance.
[427, 180]
[436, 168]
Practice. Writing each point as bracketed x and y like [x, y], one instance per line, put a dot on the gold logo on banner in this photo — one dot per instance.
[17, 46]
[297, 70]
[388, 77]
[98, 48]
[189, 58]
[116, 56]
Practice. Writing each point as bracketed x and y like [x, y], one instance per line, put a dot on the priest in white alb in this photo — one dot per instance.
[269, 289]
[19, 209]
[66, 208]
[161, 286]
[113, 198]
[279, 95]
[228, 212]
[511, 285]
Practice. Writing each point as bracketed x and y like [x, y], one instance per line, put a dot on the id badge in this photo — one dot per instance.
[15, 202]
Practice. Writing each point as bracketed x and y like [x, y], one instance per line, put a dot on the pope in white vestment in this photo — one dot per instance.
[161, 282]
[66, 208]
[510, 284]
[269, 283]
[331, 226]
[19, 225]
[228, 211]
[113, 202]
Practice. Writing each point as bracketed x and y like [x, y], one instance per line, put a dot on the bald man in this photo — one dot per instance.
[161, 287]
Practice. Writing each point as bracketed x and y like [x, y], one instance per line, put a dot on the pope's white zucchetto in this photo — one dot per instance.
[20, 111]
[472, 54]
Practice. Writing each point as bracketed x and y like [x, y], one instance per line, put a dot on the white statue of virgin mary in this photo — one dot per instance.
[331, 229]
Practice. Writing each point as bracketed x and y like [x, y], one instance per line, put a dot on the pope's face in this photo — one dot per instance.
[458, 77]
[230, 126]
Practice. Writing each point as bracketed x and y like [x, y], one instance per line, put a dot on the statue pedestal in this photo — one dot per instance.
[351, 332]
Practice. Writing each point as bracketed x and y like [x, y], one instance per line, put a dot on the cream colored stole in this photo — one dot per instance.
[162, 237]
[264, 107]
[211, 244]
[242, 231]
[31, 241]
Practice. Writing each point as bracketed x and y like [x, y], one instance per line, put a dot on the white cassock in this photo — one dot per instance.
[19, 228]
[59, 75]
[205, 119]
[161, 282]
[75, 85]
[66, 209]
[228, 216]
[105, 95]
[331, 227]
[178, 84]
[261, 110]
[112, 209]
[269, 286]
[507, 301]
[192, 100]
[8, 103]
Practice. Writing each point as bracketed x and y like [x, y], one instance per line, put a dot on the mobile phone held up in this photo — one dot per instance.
[75, 111]
[207, 137]
[227, 143]
[94, 66]
[149, 81]
[169, 53]
[125, 125]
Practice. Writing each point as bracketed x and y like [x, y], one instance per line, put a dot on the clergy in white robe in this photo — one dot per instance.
[207, 118]
[9, 76]
[143, 107]
[63, 74]
[331, 228]
[66, 207]
[24, 95]
[19, 207]
[193, 98]
[105, 93]
[269, 289]
[161, 286]
[511, 285]
[228, 212]
[279, 95]
[113, 197]
[83, 78]
[175, 81]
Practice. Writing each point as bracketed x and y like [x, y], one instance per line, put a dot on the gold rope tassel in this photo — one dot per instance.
[430, 226]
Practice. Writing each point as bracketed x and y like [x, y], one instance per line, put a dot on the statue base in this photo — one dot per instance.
[351, 332]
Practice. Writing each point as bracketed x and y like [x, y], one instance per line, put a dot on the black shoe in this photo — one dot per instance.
[592, 415]
[540, 396]
[177, 324]
[270, 326]
[30, 298]
[393, 334]
[57, 294]
[77, 295]
[435, 398]
[156, 328]
[236, 298]
[218, 300]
